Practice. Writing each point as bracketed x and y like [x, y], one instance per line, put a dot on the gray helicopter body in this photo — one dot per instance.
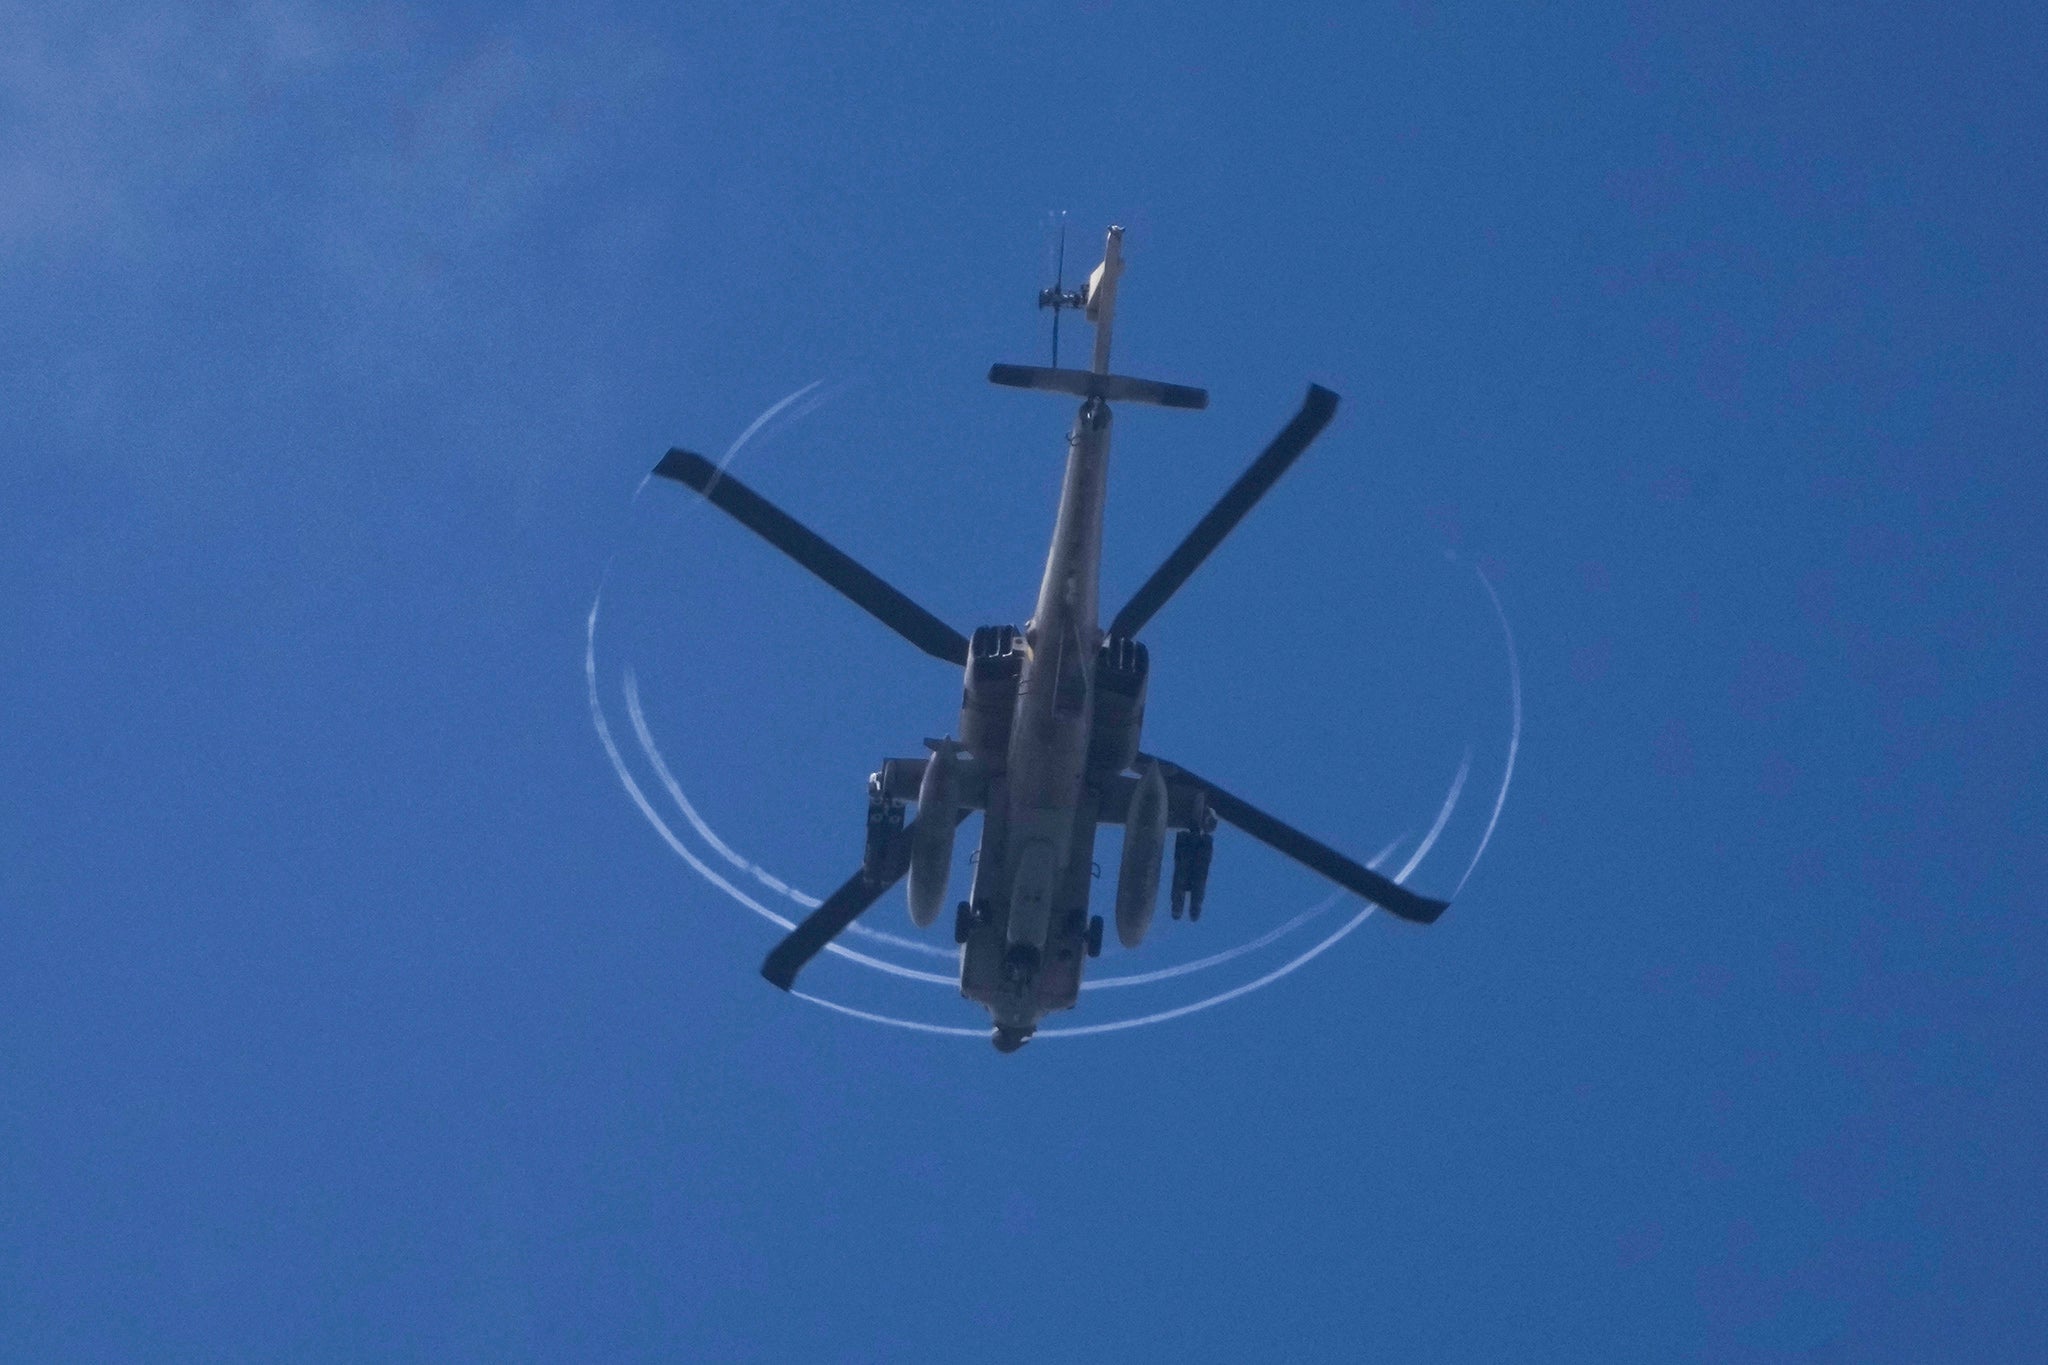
[1050, 722]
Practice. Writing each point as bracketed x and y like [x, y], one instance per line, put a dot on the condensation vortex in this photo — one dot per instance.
[790, 408]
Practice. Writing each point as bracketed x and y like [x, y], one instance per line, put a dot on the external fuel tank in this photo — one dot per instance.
[1137, 880]
[931, 839]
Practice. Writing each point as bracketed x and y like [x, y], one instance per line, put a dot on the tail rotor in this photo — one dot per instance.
[1059, 298]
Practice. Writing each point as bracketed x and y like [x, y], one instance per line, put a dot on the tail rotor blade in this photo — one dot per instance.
[1316, 411]
[1312, 853]
[811, 550]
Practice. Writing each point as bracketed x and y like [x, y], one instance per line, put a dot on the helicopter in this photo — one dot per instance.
[1050, 722]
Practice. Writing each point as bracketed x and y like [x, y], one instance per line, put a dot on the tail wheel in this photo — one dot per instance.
[1095, 936]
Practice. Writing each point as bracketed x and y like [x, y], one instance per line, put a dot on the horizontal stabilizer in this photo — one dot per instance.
[1114, 388]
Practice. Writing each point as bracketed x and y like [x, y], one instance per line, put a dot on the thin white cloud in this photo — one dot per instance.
[416, 156]
[107, 116]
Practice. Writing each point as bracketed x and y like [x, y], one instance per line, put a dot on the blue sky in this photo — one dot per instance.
[350, 1009]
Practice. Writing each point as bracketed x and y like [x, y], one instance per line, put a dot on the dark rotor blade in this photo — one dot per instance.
[820, 927]
[811, 550]
[838, 910]
[1313, 853]
[1285, 449]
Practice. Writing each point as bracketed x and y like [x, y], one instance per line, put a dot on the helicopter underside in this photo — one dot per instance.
[1049, 724]
[1018, 980]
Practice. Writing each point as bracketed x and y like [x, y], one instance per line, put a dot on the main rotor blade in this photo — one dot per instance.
[820, 927]
[1312, 853]
[838, 910]
[811, 550]
[1316, 411]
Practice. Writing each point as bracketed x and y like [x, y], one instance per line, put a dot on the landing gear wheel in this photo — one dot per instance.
[963, 922]
[1095, 936]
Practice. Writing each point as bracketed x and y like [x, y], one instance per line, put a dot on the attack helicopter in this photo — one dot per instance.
[1050, 720]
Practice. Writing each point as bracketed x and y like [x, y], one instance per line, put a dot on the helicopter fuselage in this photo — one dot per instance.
[1025, 925]
[1050, 719]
